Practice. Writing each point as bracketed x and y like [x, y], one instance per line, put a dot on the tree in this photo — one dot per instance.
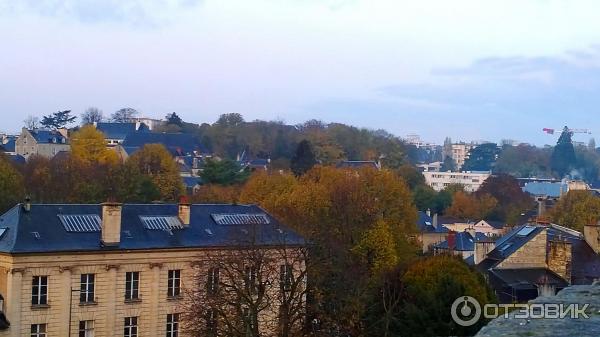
[224, 172]
[512, 201]
[576, 209]
[411, 175]
[249, 291]
[89, 146]
[59, 119]
[229, 120]
[448, 165]
[470, 207]
[124, 115]
[156, 162]
[174, 119]
[563, 157]
[481, 158]
[11, 185]
[304, 158]
[91, 115]
[31, 122]
[524, 161]
[415, 300]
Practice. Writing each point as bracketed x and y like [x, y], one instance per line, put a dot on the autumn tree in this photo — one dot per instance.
[89, 146]
[156, 162]
[11, 185]
[304, 159]
[91, 115]
[576, 209]
[471, 207]
[511, 199]
[57, 120]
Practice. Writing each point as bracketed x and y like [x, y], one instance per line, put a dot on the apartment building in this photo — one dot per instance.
[119, 269]
[471, 181]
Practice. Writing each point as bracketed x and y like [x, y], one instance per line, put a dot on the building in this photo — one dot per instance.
[115, 133]
[535, 260]
[435, 166]
[42, 142]
[112, 270]
[470, 180]
[459, 152]
[151, 123]
[462, 244]
[8, 144]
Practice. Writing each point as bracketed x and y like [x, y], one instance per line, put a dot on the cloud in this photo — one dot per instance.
[135, 12]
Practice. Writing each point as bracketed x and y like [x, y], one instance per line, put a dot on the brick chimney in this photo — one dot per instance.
[111, 223]
[591, 233]
[559, 258]
[451, 240]
[184, 211]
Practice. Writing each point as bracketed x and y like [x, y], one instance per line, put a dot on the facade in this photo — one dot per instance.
[470, 180]
[459, 152]
[46, 143]
[118, 270]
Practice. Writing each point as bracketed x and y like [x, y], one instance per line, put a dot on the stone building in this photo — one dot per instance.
[118, 269]
[471, 181]
[46, 143]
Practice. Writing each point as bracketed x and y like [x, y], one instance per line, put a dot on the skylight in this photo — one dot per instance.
[241, 219]
[161, 222]
[2, 231]
[525, 230]
[81, 223]
[505, 247]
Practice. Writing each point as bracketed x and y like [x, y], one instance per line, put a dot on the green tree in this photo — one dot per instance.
[448, 165]
[156, 162]
[304, 158]
[230, 119]
[576, 209]
[224, 172]
[481, 158]
[57, 120]
[11, 185]
[174, 119]
[563, 157]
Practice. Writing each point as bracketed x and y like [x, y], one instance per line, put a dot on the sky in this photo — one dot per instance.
[470, 70]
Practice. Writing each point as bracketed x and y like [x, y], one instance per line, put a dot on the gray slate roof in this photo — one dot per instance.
[203, 231]
[116, 130]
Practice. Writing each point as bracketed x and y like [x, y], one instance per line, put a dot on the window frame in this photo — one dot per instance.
[132, 285]
[130, 326]
[87, 290]
[174, 283]
[172, 329]
[39, 290]
[86, 328]
[39, 330]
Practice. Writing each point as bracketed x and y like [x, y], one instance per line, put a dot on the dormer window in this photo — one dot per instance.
[54, 140]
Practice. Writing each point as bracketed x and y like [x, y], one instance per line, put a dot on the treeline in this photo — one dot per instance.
[91, 173]
[366, 275]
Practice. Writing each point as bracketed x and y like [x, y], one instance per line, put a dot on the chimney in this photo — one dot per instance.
[451, 240]
[435, 221]
[591, 234]
[471, 232]
[184, 211]
[428, 212]
[111, 223]
[27, 204]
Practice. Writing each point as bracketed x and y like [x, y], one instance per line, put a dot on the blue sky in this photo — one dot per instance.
[464, 69]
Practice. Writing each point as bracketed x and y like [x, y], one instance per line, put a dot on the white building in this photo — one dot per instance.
[471, 181]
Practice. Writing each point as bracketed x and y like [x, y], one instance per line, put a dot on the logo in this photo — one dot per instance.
[465, 311]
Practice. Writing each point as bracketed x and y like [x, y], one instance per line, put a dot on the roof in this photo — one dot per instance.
[496, 224]
[464, 241]
[425, 224]
[202, 232]
[546, 189]
[10, 145]
[191, 181]
[179, 144]
[528, 278]
[48, 136]
[116, 130]
[514, 240]
[358, 164]
[16, 158]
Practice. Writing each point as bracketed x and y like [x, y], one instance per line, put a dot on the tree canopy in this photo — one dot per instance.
[576, 209]
[124, 115]
[57, 120]
[563, 157]
[156, 162]
[481, 158]
[304, 159]
[223, 172]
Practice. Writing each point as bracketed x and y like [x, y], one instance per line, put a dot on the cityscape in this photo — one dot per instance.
[299, 168]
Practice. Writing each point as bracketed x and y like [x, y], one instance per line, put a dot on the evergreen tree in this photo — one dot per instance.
[58, 120]
[174, 119]
[482, 158]
[304, 158]
[448, 165]
[563, 156]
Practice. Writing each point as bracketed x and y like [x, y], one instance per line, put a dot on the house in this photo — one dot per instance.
[151, 123]
[358, 164]
[43, 142]
[461, 244]
[430, 232]
[115, 133]
[486, 227]
[101, 268]
[535, 260]
[260, 164]
[470, 180]
[8, 144]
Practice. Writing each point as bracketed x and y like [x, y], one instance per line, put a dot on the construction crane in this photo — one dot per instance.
[572, 131]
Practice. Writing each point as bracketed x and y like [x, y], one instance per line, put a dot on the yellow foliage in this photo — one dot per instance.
[89, 147]
[155, 161]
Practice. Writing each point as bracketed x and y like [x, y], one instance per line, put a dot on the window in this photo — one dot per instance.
[86, 295]
[286, 276]
[174, 283]
[211, 322]
[212, 283]
[130, 328]
[39, 290]
[251, 279]
[38, 330]
[86, 328]
[132, 283]
[172, 325]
